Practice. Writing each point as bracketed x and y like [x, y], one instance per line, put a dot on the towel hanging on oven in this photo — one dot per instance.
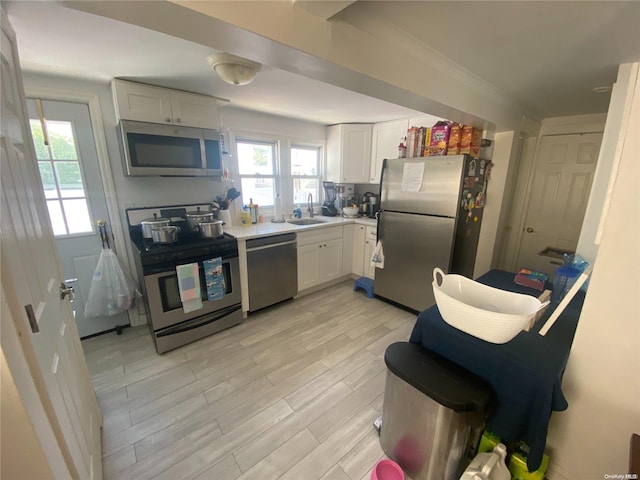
[215, 278]
[189, 287]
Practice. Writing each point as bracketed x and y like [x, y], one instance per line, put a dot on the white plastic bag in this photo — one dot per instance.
[112, 290]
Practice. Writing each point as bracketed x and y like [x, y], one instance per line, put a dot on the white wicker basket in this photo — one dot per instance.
[485, 312]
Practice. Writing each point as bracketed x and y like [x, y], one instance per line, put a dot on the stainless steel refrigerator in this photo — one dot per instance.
[430, 216]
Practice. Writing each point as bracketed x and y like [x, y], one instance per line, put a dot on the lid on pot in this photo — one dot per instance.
[155, 220]
[197, 214]
[166, 228]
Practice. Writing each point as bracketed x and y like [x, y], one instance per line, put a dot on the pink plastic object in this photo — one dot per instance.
[387, 470]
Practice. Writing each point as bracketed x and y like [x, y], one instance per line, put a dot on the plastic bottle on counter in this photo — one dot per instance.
[253, 212]
[245, 216]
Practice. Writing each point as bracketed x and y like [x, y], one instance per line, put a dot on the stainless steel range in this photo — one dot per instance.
[156, 265]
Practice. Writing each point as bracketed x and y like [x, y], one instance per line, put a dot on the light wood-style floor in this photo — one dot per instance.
[291, 393]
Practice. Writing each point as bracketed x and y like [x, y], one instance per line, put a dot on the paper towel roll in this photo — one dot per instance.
[225, 216]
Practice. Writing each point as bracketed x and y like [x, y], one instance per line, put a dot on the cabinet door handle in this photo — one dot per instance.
[177, 120]
[168, 120]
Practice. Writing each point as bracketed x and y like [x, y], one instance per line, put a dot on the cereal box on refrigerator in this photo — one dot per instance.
[470, 141]
[439, 138]
[454, 139]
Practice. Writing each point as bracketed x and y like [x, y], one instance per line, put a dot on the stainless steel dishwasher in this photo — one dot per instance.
[272, 266]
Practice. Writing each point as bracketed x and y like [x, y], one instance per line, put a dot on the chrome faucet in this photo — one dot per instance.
[310, 205]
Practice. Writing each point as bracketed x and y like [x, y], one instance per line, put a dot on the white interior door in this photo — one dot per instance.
[559, 194]
[31, 277]
[75, 197]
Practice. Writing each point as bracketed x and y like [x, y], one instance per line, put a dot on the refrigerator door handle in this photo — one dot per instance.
[384, 167]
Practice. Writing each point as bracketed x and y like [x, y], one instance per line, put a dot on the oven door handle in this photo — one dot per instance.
[190, 324]
[157, 272]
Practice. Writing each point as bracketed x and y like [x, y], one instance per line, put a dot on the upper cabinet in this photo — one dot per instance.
[148, 103]
[349, 153]
[386, 138]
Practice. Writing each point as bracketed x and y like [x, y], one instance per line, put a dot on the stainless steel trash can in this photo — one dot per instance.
[433, 413]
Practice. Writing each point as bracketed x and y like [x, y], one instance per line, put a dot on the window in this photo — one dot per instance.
[278, 179]
[257, 171]
[305, 173]
[61, 174]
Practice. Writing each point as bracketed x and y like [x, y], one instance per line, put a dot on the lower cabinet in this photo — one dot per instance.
[369, 246]
[358, 250]
[364, 242]
[319, 257]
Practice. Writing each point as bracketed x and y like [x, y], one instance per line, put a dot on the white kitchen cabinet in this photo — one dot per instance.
[385, 139]
[364, 241]
[308, 271]
[347, 248]
[148, 103]
[319, 257]
[358, 250]
[349, 153]
[369, 246]
[330, 259]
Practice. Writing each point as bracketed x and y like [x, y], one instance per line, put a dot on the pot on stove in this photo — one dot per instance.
[148, 224]
[197, 217]
[211, 229]
[165, 234]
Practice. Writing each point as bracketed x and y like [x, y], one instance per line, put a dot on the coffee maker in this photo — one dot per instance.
[345, 196]
[369, 205]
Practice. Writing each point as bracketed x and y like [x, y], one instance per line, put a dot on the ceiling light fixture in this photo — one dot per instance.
[605, 89]
[234, 70]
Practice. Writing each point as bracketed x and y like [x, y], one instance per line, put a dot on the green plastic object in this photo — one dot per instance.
[488, 442]
[518, 465]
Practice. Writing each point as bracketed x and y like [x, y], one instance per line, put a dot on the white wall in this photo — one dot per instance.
[22, 455]
[609, 153]
[602, 382]
[527, 162]
[502, 154]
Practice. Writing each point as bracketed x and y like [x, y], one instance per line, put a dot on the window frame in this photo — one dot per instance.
[265, 210]
[59, 197]
[283, 185]
[305, 145]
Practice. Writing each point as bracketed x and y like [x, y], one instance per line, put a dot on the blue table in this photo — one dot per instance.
[525, 373]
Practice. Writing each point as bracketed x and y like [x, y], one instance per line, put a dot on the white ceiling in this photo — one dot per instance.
[547, 55]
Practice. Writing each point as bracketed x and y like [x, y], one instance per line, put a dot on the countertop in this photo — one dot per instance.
[243, 232]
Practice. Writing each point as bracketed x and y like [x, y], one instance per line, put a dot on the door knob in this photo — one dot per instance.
[66, 291]
[529, 230]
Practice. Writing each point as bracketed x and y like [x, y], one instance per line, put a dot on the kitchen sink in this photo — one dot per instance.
[305, 221]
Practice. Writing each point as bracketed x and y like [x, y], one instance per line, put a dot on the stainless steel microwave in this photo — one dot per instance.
[169, 150]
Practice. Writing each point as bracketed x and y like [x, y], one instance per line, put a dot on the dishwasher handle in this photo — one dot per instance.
[255, 244]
